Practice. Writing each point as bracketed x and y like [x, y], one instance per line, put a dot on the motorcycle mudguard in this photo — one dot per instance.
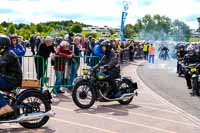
[45, 94]
[134, 84]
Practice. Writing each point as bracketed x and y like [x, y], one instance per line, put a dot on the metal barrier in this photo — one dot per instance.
[33, 71]
[61, 72]
[39, 72]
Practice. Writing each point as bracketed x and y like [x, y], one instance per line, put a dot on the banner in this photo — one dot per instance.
[124, 15]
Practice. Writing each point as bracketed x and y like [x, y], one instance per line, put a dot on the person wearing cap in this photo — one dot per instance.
[44, 51]
[63, 55]
[17, 48]
[10, 73]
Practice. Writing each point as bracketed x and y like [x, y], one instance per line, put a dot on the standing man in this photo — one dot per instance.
[44, 51]
[32, 43]
[74, 65]
[145, 50]
[151, 54]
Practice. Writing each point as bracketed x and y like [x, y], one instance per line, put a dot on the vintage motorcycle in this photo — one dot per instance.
[181, 68]
[32, 107]
[194, 72]
[94, 85]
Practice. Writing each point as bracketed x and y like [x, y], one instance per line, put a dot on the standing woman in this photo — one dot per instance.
[17, 48]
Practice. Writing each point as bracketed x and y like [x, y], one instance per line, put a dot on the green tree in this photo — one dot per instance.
[129, 31]
[76, 28]
[94, 35]
[11, 29]
[39, 28]
[1, 29]
[153, 27]
[111, 32]
[180, 31]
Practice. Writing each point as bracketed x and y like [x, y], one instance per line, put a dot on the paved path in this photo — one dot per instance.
[148, 113]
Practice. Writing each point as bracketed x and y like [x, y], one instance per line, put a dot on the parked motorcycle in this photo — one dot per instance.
[32, 107]
[93, 86]
[194, 71]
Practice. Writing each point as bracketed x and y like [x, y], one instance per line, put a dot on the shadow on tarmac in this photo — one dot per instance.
[111, 109]
[24, 130]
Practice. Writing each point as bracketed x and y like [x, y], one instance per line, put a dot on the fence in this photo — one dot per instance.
[39, 72]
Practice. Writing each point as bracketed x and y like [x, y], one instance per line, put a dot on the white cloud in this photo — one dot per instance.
[43, 10]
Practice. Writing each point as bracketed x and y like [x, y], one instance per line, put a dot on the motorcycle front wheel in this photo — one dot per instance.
[83, 95]
[195, 86]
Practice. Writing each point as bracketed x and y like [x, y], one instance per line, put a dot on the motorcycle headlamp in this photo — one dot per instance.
[193, 70]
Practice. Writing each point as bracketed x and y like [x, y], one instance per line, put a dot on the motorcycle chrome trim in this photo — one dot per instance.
[30, 117]
[124, 96]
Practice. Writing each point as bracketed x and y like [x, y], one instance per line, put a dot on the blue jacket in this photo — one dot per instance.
[97, 51]
[19, 50]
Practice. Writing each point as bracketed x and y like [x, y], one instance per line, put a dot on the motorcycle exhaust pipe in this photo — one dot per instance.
[127, 96]
[30, 117]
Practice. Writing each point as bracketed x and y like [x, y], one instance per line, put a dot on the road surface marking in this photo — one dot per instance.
[162, 110]
[83, 125]
[153, 117]
[120, 121]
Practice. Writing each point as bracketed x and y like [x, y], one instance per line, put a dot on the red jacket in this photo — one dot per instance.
[61, 57]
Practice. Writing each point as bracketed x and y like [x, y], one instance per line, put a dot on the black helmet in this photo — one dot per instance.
[4, 42]
[106, 43]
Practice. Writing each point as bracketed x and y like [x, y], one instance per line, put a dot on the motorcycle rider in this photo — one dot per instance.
[109, 62]
[190, 58]
[10, 73]
[180, 55]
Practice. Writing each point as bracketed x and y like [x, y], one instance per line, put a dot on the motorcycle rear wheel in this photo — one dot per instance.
[46, 104]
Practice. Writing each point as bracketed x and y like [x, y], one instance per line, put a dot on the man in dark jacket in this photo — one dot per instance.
[44, 52]
[10, 72]
[110, 63]
[190, 58]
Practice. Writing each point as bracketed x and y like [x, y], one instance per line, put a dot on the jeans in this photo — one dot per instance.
[73, 68]
[151, 59]
[59, 80]
[4, 85]
[146, 55]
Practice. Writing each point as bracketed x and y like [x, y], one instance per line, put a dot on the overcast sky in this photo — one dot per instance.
[97, 12]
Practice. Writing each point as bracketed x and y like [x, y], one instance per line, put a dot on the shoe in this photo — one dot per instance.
[189, 87]
[6, 110]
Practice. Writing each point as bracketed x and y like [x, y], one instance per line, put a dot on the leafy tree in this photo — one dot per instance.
[129, 31]
[76, 28]
[111, 32]
[94, 35]
[180, 31]
[11, 29]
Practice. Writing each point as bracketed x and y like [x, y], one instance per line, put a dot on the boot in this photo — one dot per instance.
[6, 110]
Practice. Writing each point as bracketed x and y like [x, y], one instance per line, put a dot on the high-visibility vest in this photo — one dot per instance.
[151, 50]
[145, 48]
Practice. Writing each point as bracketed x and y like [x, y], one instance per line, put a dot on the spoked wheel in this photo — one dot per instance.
[126, 87]
[83, 95]
[33, 103]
